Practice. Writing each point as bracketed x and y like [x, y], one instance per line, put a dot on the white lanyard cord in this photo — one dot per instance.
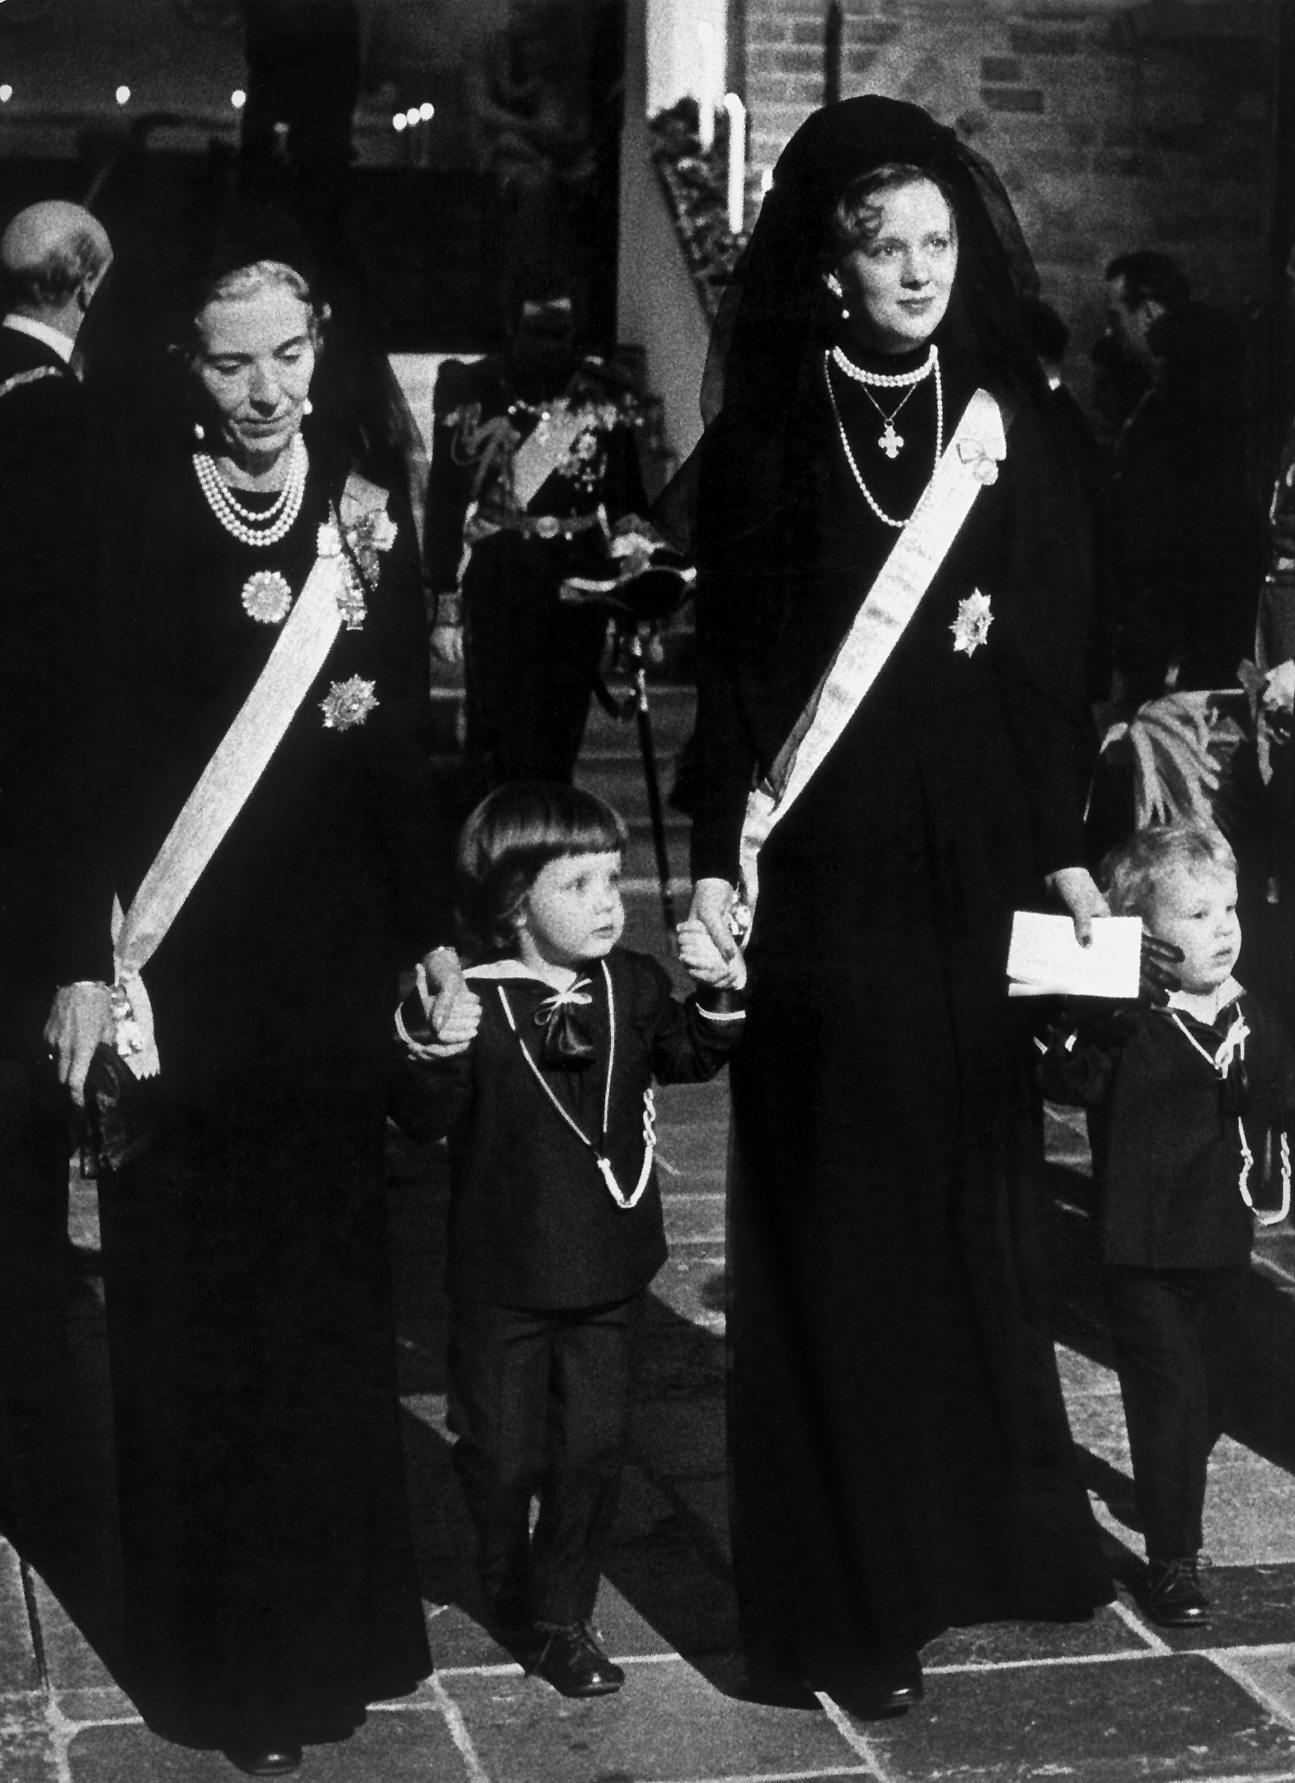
[599, 1151]
[1234, 1043]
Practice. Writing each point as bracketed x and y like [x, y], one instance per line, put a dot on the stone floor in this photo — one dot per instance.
[1102, 1702]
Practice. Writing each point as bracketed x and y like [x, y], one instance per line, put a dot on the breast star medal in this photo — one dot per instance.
[267, 597]
[348, 703]
[971, 628]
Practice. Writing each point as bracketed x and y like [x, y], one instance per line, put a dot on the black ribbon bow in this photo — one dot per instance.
[567, 1045]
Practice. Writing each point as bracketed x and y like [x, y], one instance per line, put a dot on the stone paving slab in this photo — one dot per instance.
[695, 1218]
[1170, 1717]
[26, 1749]
[689, 1149]
[691, 1287]
[1107, 1632]
[695, 1104]
[19, 1673]
[395, 1745]
[70, 1661]
[668, 1725]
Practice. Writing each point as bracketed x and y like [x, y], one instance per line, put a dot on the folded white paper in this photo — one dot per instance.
[1044, 958]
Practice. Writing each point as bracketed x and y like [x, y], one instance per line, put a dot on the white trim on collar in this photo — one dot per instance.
[62, 344]
[1227, 992]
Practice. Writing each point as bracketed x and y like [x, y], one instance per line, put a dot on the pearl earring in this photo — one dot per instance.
[199, 431]
[307, 407]
[835, 287]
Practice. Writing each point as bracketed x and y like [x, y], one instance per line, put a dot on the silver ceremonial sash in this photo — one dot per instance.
[222, 790]
[970, 460]
[547, 445]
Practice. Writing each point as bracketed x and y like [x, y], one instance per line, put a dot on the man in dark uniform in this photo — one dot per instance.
[52, 257]
[532, 505]
[1187, 529]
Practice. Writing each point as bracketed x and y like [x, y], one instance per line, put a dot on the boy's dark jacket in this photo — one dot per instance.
[532, 1222]
[1167, 1155]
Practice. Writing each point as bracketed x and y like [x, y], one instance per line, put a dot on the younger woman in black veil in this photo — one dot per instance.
[900, 1458]
[245, 457]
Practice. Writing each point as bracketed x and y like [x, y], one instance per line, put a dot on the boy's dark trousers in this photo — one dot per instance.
[539, 1402]
[1177, 1335]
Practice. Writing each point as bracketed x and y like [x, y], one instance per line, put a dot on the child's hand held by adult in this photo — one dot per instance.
[703, 959]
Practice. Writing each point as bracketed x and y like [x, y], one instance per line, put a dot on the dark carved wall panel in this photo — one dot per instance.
[211, 15]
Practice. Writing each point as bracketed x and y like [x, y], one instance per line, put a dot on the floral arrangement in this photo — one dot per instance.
[694, 182]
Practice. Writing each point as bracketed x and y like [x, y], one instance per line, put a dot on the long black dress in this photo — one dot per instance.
[270, 1581]
[899, 1449]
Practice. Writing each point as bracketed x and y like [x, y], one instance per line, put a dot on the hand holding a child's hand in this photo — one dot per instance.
[702, 957]
[454, 1013]
[713, 904]
[1077, 889]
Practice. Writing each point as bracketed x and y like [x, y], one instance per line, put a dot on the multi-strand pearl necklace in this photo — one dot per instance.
[892, 380]
[886, 380]
[259, 528]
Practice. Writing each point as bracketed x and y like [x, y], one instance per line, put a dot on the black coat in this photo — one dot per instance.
[532, 1223]
[1167, 1153]
[48, 668]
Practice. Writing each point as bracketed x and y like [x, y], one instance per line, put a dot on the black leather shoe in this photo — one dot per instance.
[1174, 1595]
[572, 1662]
[265, 1761]
[882, 1687]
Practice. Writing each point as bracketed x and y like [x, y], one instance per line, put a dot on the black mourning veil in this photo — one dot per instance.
[777, 315]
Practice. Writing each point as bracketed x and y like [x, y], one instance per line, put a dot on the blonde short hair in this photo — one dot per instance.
[1133, 873]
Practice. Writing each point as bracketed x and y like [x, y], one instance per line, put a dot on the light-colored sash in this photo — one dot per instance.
[220, 794]
[970, 461]
[546, 447]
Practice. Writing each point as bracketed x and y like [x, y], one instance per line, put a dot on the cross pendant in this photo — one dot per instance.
[891, 442]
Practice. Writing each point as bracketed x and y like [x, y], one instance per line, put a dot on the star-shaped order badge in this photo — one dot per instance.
[348, 703]
[971, 628]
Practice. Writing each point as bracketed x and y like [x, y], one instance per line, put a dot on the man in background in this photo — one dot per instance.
[52, 258]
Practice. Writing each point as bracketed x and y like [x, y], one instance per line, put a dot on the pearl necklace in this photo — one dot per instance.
[259, 528]
[932, 362]
[886, 380]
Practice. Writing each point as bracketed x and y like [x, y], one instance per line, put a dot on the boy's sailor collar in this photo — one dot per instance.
[492, 970]
[1209, 1009]
[506, 968]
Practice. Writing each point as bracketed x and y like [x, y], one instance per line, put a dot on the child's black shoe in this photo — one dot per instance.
[1174, 1595]
[572, 1661]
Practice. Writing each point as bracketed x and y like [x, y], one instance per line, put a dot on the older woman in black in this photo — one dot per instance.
[270, 1582]
[900, 1455]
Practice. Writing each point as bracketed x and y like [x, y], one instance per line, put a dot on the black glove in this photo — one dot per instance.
[1156, 975]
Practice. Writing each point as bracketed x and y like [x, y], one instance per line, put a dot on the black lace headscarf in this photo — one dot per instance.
[764, 372]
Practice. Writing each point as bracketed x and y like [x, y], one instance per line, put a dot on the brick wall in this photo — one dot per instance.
[1113, 126]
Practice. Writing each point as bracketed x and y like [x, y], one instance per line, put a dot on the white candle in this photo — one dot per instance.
[736, 162]
[708, 84]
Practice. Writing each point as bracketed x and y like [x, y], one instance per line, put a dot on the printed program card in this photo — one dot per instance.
[1044, 958]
